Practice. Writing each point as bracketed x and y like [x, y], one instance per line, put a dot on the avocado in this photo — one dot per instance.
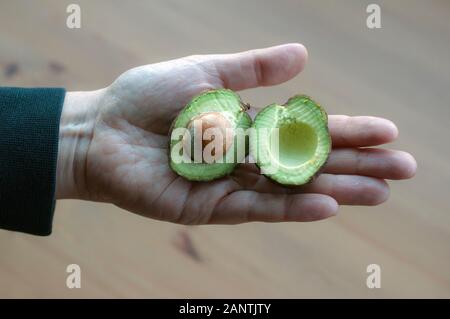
[290, 143]
[204, 141]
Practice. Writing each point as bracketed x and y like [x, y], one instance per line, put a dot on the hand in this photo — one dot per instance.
[114, 147]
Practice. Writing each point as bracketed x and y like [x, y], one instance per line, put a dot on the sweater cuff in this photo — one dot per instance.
[29, 132]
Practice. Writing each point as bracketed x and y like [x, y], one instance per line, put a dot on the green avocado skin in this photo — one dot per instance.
[298, 110]
[229, 104]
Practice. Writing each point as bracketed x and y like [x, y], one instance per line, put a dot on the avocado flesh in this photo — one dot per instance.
[303, 139]
[229, 105]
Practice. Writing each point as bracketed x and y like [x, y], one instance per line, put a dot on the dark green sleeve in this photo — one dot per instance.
[29, 129]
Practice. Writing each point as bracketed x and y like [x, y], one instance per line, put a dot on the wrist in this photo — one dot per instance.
[78, 118]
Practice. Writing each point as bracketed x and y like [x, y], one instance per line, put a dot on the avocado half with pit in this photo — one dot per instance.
[291, 142]
[204, 144]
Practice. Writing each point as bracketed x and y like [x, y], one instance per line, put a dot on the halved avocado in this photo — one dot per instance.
[217, 109]
[291, 142]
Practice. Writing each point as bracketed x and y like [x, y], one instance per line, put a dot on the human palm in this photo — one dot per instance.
[126, 161]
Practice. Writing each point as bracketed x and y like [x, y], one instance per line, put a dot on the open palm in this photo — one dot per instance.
[127, 158]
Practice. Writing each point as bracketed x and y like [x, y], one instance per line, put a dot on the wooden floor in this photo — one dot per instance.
[401, 71]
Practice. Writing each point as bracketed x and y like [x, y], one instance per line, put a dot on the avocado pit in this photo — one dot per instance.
[209, 134]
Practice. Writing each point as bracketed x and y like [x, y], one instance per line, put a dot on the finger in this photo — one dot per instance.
[354, 131]
[381, 163]
[350, 189]
[345, 189]
[247, 206]
[261, 67]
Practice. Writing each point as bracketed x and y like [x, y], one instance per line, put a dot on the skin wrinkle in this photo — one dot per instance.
[346, 131]
[162, 141]
[224, 79]
[184, 206]
[114, 99]
[85, 172]
[259, 70]
[355, 184]
[390, 164]
[158, 197]
[165, 188]
[211, 70]
[366, 194]
[184, 212]
[188, 219]
[82, 139]
[360, 158]
[230, 188]
[123, 138]
[217, 205]
[85, 161]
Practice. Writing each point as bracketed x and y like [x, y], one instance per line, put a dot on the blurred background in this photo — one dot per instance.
[401, 72]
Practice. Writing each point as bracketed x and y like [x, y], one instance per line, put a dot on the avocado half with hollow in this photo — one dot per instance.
[291, 142]
[203, 142]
